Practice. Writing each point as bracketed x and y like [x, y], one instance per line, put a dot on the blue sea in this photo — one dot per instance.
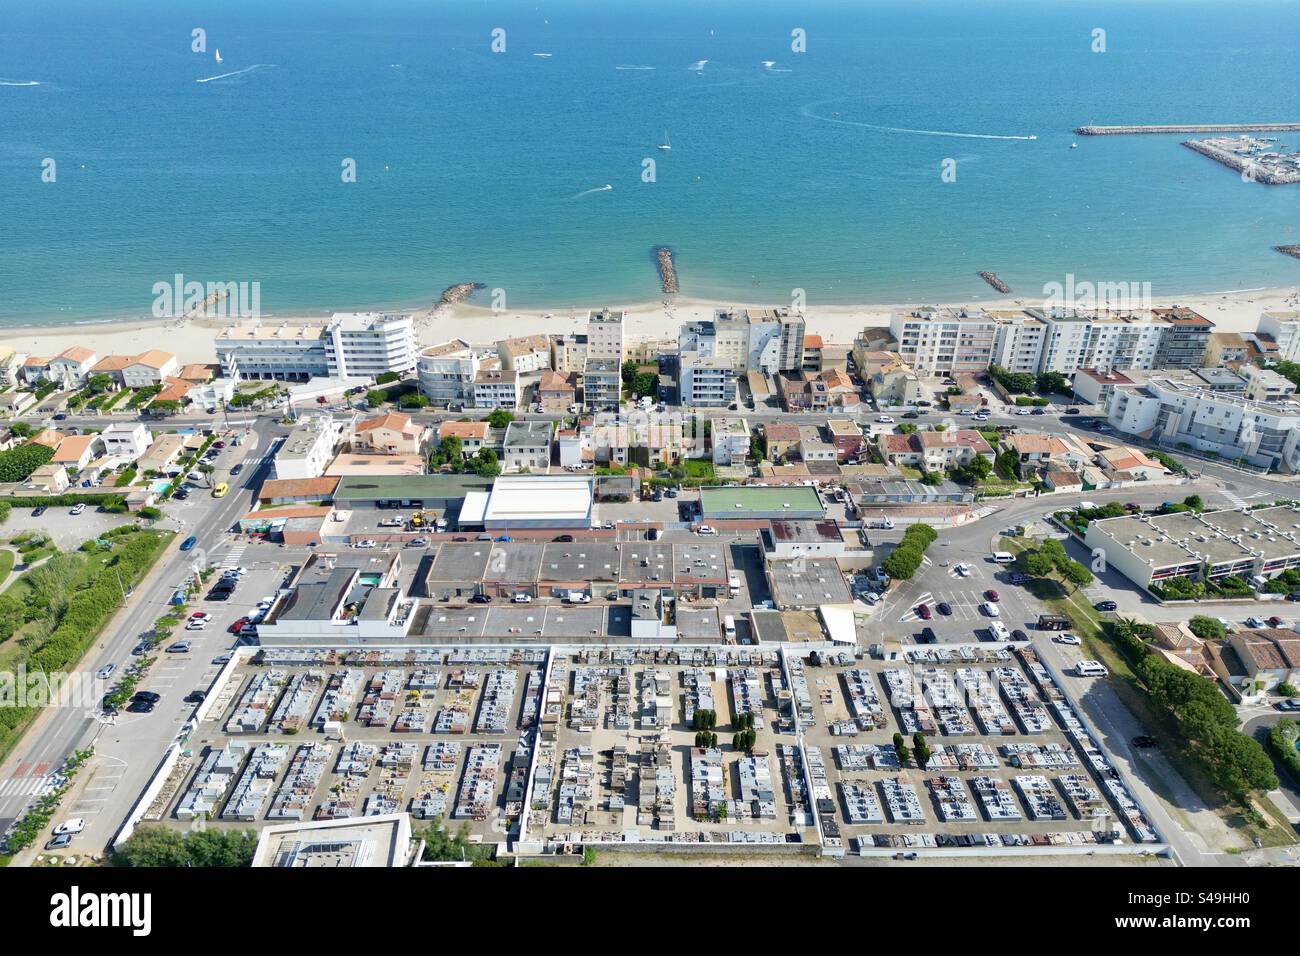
[817, 170]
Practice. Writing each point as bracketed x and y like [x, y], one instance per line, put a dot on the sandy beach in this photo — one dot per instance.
[192, 340]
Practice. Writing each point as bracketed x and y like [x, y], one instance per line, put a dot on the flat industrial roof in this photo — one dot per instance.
[580, 561]
[743, 501]
[808, 582]
[524, 498]
[362, 488]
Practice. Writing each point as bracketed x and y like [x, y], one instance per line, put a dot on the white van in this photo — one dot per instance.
[733, 585]
[999, 631]
[1091, 669]
[1003, 557]
[729, 627]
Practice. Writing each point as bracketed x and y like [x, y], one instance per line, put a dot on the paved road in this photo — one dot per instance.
[61, 731]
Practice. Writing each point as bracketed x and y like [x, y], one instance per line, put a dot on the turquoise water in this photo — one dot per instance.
[475, 166]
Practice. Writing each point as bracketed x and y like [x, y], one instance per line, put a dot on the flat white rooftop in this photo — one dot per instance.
[545, 500]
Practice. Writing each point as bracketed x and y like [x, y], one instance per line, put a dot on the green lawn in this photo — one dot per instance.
[6, 564]
[698, 468]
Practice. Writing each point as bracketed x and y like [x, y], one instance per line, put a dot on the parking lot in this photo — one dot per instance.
[66, 530]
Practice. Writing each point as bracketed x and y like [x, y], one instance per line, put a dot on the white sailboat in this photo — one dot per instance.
[218, 54]
[667, 144]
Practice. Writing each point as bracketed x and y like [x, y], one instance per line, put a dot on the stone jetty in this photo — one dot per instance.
[459, 292]
[1228, 128]
[667, 272]
[992, 279]
[1264, 166]
[1292, 251]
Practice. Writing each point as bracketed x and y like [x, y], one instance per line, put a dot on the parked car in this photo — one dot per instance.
[1254, 622]
[75, 825]
[705, 529]
[923, 612]
[238, 625]
[199, 625]
[104, 672]
[78, 508]
[140, 707]
[884, 420]
[1037, 411]
[1071, 639]
[196, 697]
[991, 609]
[180, 647]
[911, 415]
[564, 537]
[944, 608]
[1289, 704]
[1276, 621]
[418, 543]
[200, 616]
[59, 842]
[992, 595]
[1106, 606]
[1024, 411]
[1143, 740]
[481, 599]
[1019, 635]
[366, 543]
[180, 495]
[522, 599]
[147, 695]
[39, 510]
[221, 659]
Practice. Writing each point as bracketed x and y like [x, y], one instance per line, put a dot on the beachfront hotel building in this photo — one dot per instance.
[605, 334]
[349, 345]
[1181, 408]
[705, 381]
[748, 340]
[368, 344]
[569, 353]
[602, 384]
[1184, 339]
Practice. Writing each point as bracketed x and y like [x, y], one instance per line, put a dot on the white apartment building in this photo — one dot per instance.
[730, 438]
[309, 447]
[292, 353]
[1284, 328]
[149, 368]
[705, 381]
[368, 344]
[605, 334]
[945, 341]
[1266, 385]
[445, 372]
[527, 445]
[1077, 341]
[1175, 408]
[527, 353]
[749, 340]
[1018, 340]
[494, 388]
[725, 337]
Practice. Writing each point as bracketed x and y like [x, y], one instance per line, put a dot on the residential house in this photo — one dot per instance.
[782, 440]
[1123, 463]
[308, 448]
[393, 433]
[114, 367]
[52, 478]
[35, 369]
[812, 447]
[494, 387]
[1035, 452]
[800, 394]
[812, 354]
[557, 392]
[71, 367]
[1270, 655]
[150, 368]
[840, 390]
[473, 435]
[527, 445]
[446, 372]
[1226, 348]
[935, 451]
[76, 451]
[13, 403]
[126, 440]
[569, 354]
[847, 438]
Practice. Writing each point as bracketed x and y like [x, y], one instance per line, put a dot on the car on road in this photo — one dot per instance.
[366, 543]
[481, 599]
[218, 444]
[1024, 411]
[105, 671]
[220, 490]
[1143, 740]
[884, 420]
[1091, 669]
[236, 469]
[418, 543]
[705, 529]
[188, 543]
[60, 416]
[911, 415]
[1071, 639]
[180, 647]
[1105, 606]
[1289, 704]
[139, 707]
[1071, 411]
[1254, 622]
[78, 508]
[992, 595]
[923, 612]
[944, 608]
[59, 842]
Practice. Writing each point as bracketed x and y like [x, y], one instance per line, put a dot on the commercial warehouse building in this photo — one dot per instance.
[1150, 548]
[760, 503]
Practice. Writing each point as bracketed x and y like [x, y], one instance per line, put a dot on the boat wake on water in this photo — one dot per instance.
[225, 76]
[20, 82]
[807, 111]
[587, 192]
[631, 66]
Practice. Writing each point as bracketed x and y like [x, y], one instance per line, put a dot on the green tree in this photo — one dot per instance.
[500, 418]
[921, 748]
[160, 846]
[373, 398]
[1194, 502]
[900, 748]
[1207, 628]
[17, 464]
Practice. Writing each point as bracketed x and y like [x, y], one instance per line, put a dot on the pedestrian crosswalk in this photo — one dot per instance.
[233, 555]
[23, 786]
[1238, 501]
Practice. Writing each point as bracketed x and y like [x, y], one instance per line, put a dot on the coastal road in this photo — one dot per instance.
[59, 731]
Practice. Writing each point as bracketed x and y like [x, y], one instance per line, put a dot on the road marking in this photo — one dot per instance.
[21, 786]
